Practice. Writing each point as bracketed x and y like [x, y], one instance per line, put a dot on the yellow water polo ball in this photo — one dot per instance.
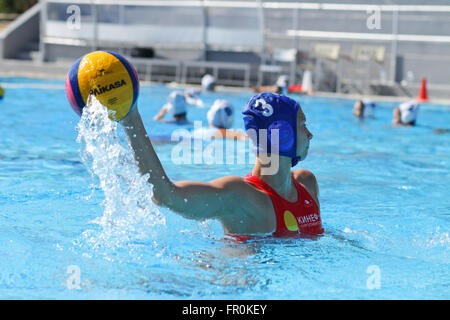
[109, 77]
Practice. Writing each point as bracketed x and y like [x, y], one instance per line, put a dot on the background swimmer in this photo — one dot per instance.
[192, 96]
[176, 106]
[208, 82]
[364, 108]
[280, 87]
[220, 119]
[405, 114]
[441, 131]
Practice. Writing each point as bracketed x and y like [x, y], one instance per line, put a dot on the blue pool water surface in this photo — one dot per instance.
[77, 222]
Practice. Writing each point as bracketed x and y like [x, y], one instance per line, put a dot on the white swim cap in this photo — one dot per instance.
[369, 107]
[408, 111]
[193, 97]
[177, 103]
[193, 93]
[307, 81]
[208, 81]
[282, 81]
[221, 114]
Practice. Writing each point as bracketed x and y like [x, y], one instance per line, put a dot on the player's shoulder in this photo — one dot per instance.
[229, 182]
[239, 188]
[302, 174]
[307, 178]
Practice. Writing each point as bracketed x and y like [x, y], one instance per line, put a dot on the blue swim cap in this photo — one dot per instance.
[272, 111]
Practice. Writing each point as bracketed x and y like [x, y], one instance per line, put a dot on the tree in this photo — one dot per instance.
[16, 6]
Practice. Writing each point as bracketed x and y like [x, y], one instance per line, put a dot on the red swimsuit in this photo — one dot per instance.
[302, 216]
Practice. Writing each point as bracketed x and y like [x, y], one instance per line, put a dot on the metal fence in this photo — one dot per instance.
[345, 44]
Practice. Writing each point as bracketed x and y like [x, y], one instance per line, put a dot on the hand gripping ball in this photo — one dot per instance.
[107, 76]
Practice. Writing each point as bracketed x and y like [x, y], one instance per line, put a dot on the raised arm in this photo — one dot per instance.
[194, 200]
[161, 114]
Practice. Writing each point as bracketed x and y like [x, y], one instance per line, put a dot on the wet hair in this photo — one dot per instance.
[279, 90]
[180, 116]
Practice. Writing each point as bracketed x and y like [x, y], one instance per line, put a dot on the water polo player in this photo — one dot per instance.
[364, 109]
[282, 202]
[271, 199]
[176, 106]
[193, 97]
[220, 120]
[208, 82]
[280, 87]
[405, 114]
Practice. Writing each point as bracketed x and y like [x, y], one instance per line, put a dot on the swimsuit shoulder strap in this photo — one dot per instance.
[261, 185]
[303, 193]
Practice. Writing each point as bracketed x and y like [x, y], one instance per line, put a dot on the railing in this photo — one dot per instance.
[215, 68]
[192, 71]
[171, 69]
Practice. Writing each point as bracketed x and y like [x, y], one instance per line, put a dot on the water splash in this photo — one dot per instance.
[129, 213]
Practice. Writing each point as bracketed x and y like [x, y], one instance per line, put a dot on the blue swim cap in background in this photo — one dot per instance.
[272, 111]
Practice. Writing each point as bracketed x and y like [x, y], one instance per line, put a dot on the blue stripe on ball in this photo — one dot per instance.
[73, 78]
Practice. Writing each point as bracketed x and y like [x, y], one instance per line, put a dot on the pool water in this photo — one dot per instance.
[77, 221]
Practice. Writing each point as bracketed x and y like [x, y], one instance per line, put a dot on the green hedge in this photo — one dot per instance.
[16, 6]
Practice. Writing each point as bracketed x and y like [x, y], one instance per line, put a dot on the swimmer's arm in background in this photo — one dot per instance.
[396, 117]
[230, 134]
[236, 135]
[194, 200]
[161, 114]
[308, 179]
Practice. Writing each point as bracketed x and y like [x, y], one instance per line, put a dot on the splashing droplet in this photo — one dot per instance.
[128, 205]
